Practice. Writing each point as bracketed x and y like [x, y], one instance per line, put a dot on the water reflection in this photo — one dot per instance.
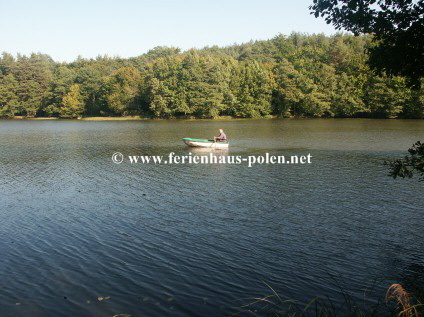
[205, 151]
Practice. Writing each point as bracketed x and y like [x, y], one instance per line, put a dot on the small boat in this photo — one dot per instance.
[205, 143]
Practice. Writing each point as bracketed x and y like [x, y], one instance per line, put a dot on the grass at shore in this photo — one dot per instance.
[125, 118]
[398, 303]
[33, 118]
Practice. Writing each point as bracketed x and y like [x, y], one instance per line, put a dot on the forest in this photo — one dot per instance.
[298, 75]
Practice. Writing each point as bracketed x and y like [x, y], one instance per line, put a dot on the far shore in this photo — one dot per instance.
[81, 118]
[140, 118]
[31, 118]
[129, 118]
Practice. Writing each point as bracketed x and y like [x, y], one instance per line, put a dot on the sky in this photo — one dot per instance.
[65, 29]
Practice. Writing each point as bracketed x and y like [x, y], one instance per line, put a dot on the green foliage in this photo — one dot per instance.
[123, 90]
[90, 82]
[347, 97]
[162, 51]
[255, 91]
[7, 64]
[8, 97]
[414, 106]
[165, 91]
[63, 78]
[385, 97]
[410, 165]
[72, 103]
[204, 82]
[297, 75]
[33, 74]
[397, 26]
[287, 92]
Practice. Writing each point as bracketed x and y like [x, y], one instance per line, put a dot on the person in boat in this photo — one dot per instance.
[221, 137]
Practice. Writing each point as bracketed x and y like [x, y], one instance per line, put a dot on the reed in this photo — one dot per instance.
[398, 294]
[275, 305]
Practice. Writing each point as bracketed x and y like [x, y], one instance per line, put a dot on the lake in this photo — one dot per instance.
[82, 236]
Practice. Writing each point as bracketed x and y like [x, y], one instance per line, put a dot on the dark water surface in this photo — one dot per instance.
[197, 240]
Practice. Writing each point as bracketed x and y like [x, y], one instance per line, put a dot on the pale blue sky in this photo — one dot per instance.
[65, 29]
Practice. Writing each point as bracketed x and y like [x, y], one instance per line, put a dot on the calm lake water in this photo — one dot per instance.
[200, 240]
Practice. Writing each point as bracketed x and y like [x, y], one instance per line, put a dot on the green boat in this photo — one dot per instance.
[205, 143]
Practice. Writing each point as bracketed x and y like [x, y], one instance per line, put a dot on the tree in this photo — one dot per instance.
[314, 103]
[385, 97]
[8, 97]
[165, 91]
[7, 64]
[409, 165]
[72, 103]
[255, 91]
[33, 75]
[63, 78]
[397, 27]
[205, 84]
[162, 51]
[287, 93]
[297, 75]
[123, 90]
[414, 106]
[89, 79]
[347, 99]
[157, 97]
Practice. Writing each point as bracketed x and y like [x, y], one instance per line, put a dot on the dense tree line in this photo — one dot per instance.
[397, 27]
[297, 75]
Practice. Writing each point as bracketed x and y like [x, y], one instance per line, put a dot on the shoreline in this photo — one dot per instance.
[222, 118]
[131, 118]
